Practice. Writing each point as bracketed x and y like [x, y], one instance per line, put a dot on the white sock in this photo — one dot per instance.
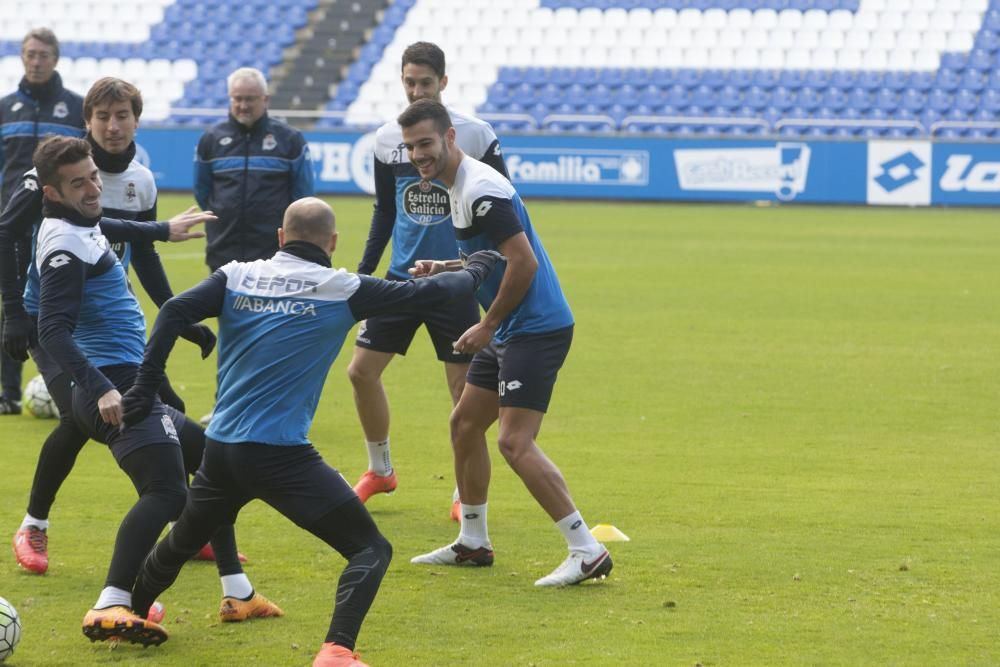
[32, 521]
[577, 535]
[455, 497]
[473, 533]
[114, 597]
[379, 461]
[236, 586]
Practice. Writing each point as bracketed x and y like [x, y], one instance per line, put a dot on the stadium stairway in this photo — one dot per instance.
[329, 44]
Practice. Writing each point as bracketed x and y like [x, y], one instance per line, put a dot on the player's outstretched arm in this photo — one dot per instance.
[376, 296]
[176, 229]
[176, 316]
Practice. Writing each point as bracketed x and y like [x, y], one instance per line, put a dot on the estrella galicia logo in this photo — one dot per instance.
[426, 202]
[899, 172]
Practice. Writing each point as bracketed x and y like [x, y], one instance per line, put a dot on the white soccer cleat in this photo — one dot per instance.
[579, 567]
[457, 554]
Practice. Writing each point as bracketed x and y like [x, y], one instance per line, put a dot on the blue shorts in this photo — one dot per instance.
[161, 426]
[394, 333]
[522, 370]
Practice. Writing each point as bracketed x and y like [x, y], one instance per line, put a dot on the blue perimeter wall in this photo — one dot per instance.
[910, 172]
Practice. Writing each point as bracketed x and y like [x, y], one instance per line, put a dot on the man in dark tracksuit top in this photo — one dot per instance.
[91, 324]
[40, 106]
[248, 169]
[282, 322]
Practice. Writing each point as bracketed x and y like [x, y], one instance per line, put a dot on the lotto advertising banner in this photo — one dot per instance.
[907, 173]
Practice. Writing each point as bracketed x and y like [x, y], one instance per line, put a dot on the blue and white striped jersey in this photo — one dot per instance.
[88, 316]
[282, 322]
[485, 211]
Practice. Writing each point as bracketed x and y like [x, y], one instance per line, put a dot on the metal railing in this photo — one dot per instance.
[533, 124]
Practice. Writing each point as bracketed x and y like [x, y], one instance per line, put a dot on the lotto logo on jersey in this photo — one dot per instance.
[59, 260]
[168, 427]
[426, 203]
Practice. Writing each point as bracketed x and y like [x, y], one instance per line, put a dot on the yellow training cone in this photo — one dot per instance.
[605, 532]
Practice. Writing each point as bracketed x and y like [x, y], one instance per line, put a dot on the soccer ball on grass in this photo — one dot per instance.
[10, 629]
[38, 401]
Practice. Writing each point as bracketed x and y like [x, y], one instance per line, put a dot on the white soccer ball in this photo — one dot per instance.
[10, 629]
[37, 401]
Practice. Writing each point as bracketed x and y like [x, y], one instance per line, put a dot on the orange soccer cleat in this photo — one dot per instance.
[121, 623]
[335, 655]
[234, 610]
[370, 484]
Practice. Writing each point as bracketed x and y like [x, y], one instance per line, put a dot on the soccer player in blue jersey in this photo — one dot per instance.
[282, 322]
[416, 215]
[519, 347]
[90, 323]
[111, 110]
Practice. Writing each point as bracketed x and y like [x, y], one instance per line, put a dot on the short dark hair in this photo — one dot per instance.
[425, 53]
[425, 109]
[57, 151]
[108, 90]
[43, 35]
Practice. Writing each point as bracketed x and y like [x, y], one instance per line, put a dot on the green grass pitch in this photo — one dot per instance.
[792, 411]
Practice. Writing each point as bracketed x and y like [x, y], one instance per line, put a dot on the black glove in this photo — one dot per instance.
[202, 336]
[19, 334]
[137, 403]
[481, 263]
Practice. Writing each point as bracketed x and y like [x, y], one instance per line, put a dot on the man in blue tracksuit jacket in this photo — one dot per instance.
[40, 106]
[248, 169]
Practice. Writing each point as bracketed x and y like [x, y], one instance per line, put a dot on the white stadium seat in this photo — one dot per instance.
[831, 39]
[741, 18]
[721, 58]
[690, 18]
[765, 19]
[665, 17]
[790, 18]
[715, 18]
[823, 58]
[815, 19]
[840, 19]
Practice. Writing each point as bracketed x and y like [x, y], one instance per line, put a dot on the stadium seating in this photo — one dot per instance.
[177, 51]
[837, 68]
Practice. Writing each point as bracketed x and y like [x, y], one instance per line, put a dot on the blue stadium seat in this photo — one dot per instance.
[791, 79]
[741, 78]
[834, 99]
[870, 80]
[809, 98]
[766, 78]
[887, 100]
[948, 79]
[940, 101]
[784, 98]
[974, 80]
[950, 60]
[757, 98]
[844, 79]
[981, 59]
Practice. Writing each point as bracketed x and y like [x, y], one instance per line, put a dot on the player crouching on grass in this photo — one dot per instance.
[282, 322]
[91, 324]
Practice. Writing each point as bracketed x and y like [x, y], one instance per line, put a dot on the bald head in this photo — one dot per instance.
[312, 220]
